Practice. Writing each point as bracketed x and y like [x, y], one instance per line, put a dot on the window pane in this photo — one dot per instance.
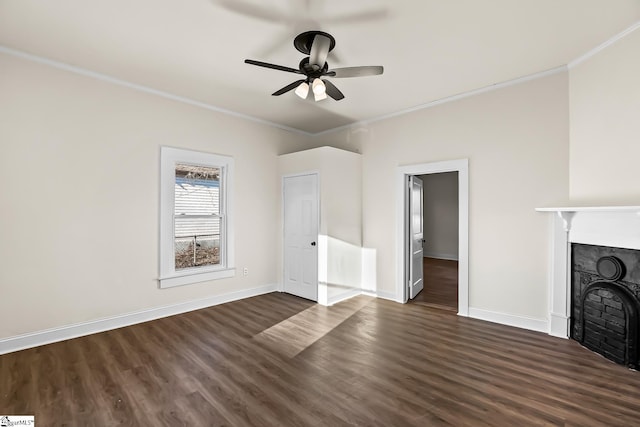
[200, 247]
[197, 190]
[197, 216]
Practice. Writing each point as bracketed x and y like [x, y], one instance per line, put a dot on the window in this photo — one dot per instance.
[196, 232]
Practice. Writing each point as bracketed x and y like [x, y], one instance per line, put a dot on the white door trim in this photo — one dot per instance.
[462, 167]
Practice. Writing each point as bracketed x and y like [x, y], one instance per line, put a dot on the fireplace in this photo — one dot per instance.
[605, 301]
[616, 229]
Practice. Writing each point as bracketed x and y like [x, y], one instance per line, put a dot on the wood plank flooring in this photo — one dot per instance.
[380, 364]
[440, 284]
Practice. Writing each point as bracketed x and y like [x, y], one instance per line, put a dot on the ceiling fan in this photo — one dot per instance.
[315, 69]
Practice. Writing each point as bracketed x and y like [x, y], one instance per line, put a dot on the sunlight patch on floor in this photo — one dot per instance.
[293, 335]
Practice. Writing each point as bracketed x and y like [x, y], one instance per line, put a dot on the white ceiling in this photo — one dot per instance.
[431, 49]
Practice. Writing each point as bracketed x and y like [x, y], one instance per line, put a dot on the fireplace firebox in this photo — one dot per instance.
[605, 301]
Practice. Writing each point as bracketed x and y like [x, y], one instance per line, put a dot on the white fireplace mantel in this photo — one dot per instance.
[614, 226]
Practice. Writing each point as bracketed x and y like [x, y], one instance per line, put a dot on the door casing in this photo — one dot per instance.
[402, 256]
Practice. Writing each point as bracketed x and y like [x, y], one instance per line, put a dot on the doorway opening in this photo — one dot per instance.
[440, 241]
[432, 239]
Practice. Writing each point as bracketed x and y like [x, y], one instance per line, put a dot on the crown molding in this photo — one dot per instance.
[106, 78]
[146, 89]
[448, 99]
[431, 104]
[604, 45]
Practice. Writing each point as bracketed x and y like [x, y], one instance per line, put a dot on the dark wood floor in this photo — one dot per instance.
[440, 284]
[276, 360]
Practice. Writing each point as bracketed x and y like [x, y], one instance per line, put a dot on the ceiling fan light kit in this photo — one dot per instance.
[318, 86]
[316, 44]
[302, 90]
[319, 96]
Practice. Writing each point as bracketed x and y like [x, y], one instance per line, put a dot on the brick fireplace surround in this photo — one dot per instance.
[608, 227]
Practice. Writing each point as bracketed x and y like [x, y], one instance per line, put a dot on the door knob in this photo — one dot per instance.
[313, 243]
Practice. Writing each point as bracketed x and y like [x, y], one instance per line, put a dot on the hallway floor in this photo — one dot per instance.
[440, 284]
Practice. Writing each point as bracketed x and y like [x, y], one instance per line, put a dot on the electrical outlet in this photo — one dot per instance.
[245, 271]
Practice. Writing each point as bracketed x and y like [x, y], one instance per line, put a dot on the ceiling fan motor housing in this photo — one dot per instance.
[303, 41]
[308, 70]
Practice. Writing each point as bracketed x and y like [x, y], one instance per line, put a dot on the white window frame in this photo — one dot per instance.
[169, 277]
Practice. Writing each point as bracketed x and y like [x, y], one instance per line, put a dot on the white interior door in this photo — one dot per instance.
[300, 194]
[416, 236]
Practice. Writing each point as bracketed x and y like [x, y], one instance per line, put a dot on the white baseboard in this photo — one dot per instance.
[449, 257]
[530, 323]
[343, 296]
[559, 325]
[34, 339]
[386, 295]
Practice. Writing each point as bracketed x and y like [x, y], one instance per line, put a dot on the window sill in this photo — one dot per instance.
[195, 277]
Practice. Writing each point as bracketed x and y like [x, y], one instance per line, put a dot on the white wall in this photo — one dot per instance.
[79, 163]
[90, 151]
[605, 125]
[517, 143]
[340, 229]
[440, 214]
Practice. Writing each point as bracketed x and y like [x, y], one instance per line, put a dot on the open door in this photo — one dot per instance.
[416, 236]
[301, 235]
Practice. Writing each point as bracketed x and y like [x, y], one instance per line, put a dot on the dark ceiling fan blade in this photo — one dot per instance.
[288, 87]
[272, 66]
[319, 50]
[333, 91]
[372, 70]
